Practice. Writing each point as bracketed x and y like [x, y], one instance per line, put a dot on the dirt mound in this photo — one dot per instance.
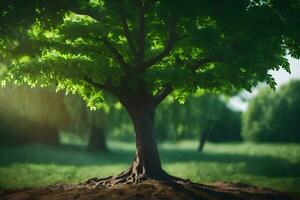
[147, 190]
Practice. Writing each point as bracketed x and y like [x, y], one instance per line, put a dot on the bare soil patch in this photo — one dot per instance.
[150, 189]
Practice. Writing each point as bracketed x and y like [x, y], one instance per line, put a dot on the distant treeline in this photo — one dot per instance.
[39, 115]
[274, 116]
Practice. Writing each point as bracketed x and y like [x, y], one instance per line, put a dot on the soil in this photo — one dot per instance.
[149, 189]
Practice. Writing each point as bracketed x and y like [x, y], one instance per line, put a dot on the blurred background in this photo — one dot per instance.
[48, 137]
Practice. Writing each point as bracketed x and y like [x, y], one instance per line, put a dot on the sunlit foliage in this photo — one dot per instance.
[80, 46]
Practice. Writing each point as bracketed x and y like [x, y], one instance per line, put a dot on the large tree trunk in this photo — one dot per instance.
[97, 140]
[147, 162]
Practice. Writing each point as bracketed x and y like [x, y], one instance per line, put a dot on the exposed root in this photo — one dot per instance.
[131, 176]
[126, 177]
[134, 176]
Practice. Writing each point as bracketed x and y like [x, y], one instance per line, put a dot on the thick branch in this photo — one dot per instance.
[162, 94]
[126, 29]
[116, 53]
[107, 86]
[95, 15]
[206, 60]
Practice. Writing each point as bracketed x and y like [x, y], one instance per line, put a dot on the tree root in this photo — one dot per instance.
[130, 176]
[133, 176]
[126, 177]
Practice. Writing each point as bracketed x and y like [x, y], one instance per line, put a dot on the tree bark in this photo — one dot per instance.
[146, 164]
[147, 160]
[97, 140]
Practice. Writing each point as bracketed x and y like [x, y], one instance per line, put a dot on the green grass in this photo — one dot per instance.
[270, 165]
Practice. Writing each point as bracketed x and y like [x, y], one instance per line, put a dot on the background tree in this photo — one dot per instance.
[205, 116]
[37, 115]
[141, 51]
[273, 116]
[217, 121]
[87, 122]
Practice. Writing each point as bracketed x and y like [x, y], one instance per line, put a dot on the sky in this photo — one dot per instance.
[281, 77]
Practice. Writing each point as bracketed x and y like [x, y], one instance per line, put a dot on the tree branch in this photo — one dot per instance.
[126, 29]
[116, 53]
[169, 45]
[60, 45]
[206, 60]
[142, 33]
[107, 86]
[103, 54]
[165, 91]
[118, 56]
[89, 13]
[162, 94]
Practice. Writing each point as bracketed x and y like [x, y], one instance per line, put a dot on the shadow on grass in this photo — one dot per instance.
[254, 164]
[77, 156]
[61, 155]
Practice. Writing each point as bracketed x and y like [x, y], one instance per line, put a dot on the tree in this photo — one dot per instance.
[217, 121]
[205, 116]
[85, 121]
[142, 51]
[273, 116]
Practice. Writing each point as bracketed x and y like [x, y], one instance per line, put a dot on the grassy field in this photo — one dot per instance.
[270, 165]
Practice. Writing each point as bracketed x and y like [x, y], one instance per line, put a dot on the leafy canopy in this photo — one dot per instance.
[150, 46]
